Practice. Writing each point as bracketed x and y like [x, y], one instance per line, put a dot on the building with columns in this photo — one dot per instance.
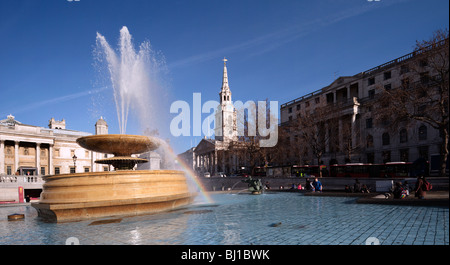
[35, 151]
[350, 122]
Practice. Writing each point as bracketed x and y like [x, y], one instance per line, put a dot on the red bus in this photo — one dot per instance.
[361, 170]
[395, 169]
[353, 170]
[259, 171]
[307, 170]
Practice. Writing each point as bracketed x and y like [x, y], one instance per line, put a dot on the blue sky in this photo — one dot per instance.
[279, 50]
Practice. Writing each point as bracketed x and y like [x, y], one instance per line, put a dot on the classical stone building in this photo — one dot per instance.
[33, 150]
[350, 123]
[28, 152]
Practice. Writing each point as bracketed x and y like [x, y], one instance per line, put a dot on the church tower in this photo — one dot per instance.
[225, 123]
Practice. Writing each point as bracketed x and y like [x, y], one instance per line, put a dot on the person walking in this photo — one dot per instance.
[420, 189]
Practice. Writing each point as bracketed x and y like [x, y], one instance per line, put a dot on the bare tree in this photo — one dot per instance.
[247, 147]
[423, 95]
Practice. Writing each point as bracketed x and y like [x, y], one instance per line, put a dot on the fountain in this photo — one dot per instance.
[254, 185]
[123, 192]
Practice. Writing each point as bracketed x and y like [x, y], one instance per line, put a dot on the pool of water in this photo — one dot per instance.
[271, 218]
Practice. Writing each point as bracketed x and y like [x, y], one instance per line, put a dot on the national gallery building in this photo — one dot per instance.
[33, 151]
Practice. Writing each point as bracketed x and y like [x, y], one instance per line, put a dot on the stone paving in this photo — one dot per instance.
[271, 218]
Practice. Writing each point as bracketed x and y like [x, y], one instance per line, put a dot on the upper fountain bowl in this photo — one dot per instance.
[118, 144]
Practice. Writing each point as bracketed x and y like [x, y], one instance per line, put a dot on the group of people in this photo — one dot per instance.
[402, 190]
[357, 188]
[313, 186]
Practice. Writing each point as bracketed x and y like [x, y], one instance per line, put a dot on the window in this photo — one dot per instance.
[385, 139]
[8, 170]
[330, 98]
[421, 109]
[371, 81]
[404, 155]
[387, 87]
[298, 106]
[403, 136]
[86, 169]
[369, 123]
[317, 100]
[423, 152]
[387, 75]
[386, 156]
[372, 93]
[369, 141]
[105, 169]
[370, 158]
[307, 104]
[290, 118]
[57, 171]
[290, 110]
[404, 69]
[405, 83]
[42, 170]
[72, 170]
[423, 132]
[424, 78]
[423, 63]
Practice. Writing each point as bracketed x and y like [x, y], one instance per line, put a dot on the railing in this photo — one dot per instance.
[21, 179]
[374, 69]
[317, 92]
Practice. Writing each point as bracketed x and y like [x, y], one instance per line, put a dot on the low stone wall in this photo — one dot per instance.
[334, 184]
[9, 186]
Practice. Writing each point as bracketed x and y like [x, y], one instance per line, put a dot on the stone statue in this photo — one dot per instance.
[254, 185]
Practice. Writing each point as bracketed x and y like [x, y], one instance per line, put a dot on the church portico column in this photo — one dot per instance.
[215, 162]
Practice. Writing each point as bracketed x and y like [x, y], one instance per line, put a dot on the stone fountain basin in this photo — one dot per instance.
[81, 196]
[118, 144]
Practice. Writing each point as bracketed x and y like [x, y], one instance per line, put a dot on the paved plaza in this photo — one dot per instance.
[232, 219]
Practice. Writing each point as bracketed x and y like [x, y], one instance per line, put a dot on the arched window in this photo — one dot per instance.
[423, 132]
[369, 141]
[403, 136]
[386, 139]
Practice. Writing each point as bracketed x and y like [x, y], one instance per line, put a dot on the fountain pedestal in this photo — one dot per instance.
[81, 196]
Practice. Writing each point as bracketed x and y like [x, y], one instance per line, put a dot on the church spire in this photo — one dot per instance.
[225, 76]
[225, 93]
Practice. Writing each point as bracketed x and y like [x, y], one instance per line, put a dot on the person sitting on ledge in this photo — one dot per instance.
[365, 189]
[348, 189]
[357, 186]
[317, 185]
[399, 192]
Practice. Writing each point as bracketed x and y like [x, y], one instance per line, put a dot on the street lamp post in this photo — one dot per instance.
[74, 157]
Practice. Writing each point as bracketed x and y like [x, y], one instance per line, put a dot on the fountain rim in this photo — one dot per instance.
[151, 143]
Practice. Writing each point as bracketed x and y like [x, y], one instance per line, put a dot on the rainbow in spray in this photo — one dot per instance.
[191, 176]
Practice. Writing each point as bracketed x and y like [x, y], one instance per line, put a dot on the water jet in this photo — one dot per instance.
[124, 191]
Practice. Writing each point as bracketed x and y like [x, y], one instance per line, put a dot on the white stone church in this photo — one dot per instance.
[212, 155]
